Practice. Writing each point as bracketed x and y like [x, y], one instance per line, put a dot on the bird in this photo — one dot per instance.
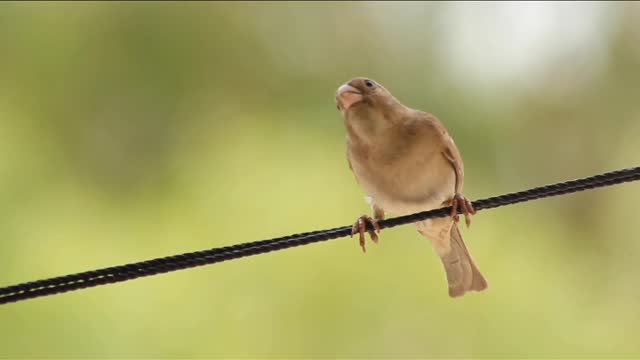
[406, 161]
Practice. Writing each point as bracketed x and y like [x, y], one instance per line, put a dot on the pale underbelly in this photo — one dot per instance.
[400, 192]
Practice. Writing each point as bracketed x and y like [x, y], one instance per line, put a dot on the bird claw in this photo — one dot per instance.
[360, 227]
[465, 205]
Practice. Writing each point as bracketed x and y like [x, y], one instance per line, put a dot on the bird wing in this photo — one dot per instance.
[449, 149]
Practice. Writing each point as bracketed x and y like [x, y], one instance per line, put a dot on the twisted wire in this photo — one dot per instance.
[115, 274]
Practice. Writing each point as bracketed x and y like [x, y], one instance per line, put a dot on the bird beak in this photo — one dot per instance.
[347, 96]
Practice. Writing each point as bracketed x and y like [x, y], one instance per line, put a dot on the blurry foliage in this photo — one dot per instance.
[135, 130]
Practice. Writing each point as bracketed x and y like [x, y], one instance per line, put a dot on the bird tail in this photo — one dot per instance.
[463, 274]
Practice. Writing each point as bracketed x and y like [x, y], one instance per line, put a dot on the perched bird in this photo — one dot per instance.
[406, 162]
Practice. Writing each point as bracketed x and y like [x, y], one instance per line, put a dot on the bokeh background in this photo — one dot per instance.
[130, 131]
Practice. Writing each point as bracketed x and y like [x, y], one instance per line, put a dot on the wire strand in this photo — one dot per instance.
[115, 274]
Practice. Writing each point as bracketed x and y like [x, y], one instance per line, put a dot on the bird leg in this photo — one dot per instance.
[360, 227]
[466, 207]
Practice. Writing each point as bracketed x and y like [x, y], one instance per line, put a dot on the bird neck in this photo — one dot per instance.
[368, 124]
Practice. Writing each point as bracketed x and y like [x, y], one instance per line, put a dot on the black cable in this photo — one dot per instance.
[121, 273]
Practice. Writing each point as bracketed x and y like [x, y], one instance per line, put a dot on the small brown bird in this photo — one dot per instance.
[406, 162]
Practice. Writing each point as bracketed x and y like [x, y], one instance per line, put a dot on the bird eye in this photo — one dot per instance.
[368, 83]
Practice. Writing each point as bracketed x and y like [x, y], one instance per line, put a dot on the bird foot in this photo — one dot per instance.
[465, 205]
[360, 227]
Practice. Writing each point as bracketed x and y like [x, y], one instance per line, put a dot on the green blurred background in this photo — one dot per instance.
[136, 130]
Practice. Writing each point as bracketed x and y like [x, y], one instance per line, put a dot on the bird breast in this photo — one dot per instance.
[403, 177]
